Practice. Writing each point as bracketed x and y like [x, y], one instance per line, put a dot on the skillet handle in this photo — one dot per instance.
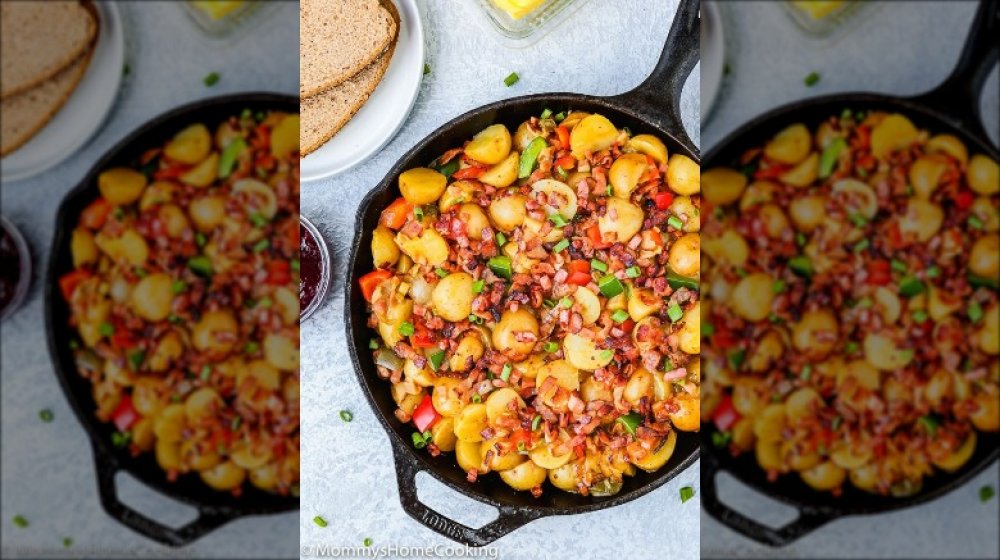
[806, 522]
[107, 468]
[657, 99]
[510, 518]
[958, 95]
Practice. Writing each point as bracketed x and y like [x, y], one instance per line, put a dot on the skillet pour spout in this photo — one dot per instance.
[652, 107]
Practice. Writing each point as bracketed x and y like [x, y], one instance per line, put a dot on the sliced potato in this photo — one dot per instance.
[649, 145]
[121, 185]
[592, 134]
[190, 145]
[421, 185]
[470, 423]
[583, 353]
[561, 199]
[503, 173]
[525, 476]
[790, 146]
[285, 137]
[893, 133]
[625, 173]
[490, 146]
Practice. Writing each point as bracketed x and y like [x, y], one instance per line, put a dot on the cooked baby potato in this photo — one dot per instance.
[83, 248]
[925, 174]
[559, 197]
[281, 352]
[508, 212]
[121, 185]
[803, 174]
[190, 145]
[515, 334]
[452, 297]
[215, 332]
[503, 173]
[816, 333]
[621, 221]
[642, 303]
[467, 353]
[421, 185]
[443, 435]
[427, 248]
[208, 212]
[649, 145]
[385, 252]
[652, 462]
[543, 456]
[683, 175]
[690, 333]
[984, 259]
[625, 173]
[224, 476]
[893, 133]
[685, 255]
[152, 297]
[490, 146]
[523, 136]
[808, 212]
[752, 297]
[497, 455]
[584, 353]
[983, 175]
[470, 423]
[683, 208]
[591, 134]
[501, 403]
[948, 144]
[790, 146]
[285, 137]
[525, 476]
[203, 174]
[723, 185]
[469, 455]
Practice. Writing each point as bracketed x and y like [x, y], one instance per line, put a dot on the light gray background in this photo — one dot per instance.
[902, 48]
[347, 469]
[48, 470]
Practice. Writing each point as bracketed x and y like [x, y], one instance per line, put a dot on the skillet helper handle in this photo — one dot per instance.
[806, 522]
[107, 468]
[959, 94]
[509, 520]
[657, 99]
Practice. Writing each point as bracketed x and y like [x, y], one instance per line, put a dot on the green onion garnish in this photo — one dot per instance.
[898, 265]
[206, 372]
[501, 239]
[707, 329]
[985, 493]
[475, 319]
[975, 222]
[566, 302]
[546, 113]
[558, 220]
[811, 79]
[442, 273]
[721, 439]
[551, 347]
[606, 355]
[861, 245]
[427, 69]
[46, 415]
[629, 421]
[851, 347]
[296, 265]
[619, 316]
[675, 313]
[261, 245]
[136, 358]
[736, 358]
[633, 272]
[919, 316]
[536, 422]
[930, 423]
[178, 286]
[610, 286]
[319, 521]
[106, 329]
[561, 246]
[501, 266]
[20, 521]
[251, 348]
[477, 398]
[211, 79]
[778, 286]
[806, 372]
[436, 359]
[346, 415]
[367, 542]
[911, 286]
[598, 265]
[477, 286]
[686, 493]
[120, 439]
[933, 272]
[200, 265]
[406, 328]
[975, 311]
[505, 372]
[675, 222]
[511, 79]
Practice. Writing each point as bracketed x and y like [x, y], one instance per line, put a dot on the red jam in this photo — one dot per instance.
[310, 269]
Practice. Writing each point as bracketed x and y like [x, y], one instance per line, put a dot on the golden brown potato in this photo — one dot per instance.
[685, 255]
[203, 174]
[816, 333]
[649, 145]
[515, 325]
[503, 173]
[893, 133]
[621, 221]
[625, 173]
[457, 193]
[925, 174]
[190, 145]
[984, 259]
[121, 185]
[808, 212]
[152, 296]
[525, 476]
[948, 144]
[208, 212]
[983, 175]
[723, 185]
[385, 252]
[683, 175]
[508, 212]
[490, 146]
[216, 333]
[803, 174]
[421, 185]
[82, 247]
[790, 146]
[683, 208]
[752, 297]
[584, 353]
[592, 134]
[427, 248]
[285, 137]
[452, 297]
[475, 220]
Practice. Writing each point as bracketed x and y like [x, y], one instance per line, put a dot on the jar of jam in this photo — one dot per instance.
[315, 269]
[15, 268]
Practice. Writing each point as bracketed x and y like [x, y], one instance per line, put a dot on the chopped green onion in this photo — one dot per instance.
[861, 245]
[707, 329]
[211, 79]
[264, 303]
[566, 302]
[677, 281]
[675, 313]
[610, 286]
[418, 213]
[606, 354]
[200, 265]
[930, 423]
[829, 157]
[619, 316]
[983, 282]
[919, 316]
[899, 266]
[511, 79]
[206, 372]
[178, 286]
[546, 113]
[911, 286]
[975, 311]
[449, 168]
[801, 265]
[346, 415]
[141, 272]
[319, 521]
[251, 348]
[236, 422]
[477, 286]
[858, 220]
[501, 239]
[686, 493]
[633, 272]
[135, 359]
[986, 493]
[505, 372]
[561, 246]
[558, 220]
[845, 114]
[120, 439]
[598, 265]
[67, 542]
[811, 79]
[721, 439]
[675, 222]
[536, 422]
[367, 542]
[800, 239]
[475, 319]
[477, 398]
[610, 191]
[373, 344]
[46, 415]
[864, 303]
[106, 329]
[442, 273]
[20, 521]
[736, 358]
[975, 222]
[933, 272]
[227, 161]
[427, 69]
[851, 347]
[436, 359]
[406, 328]
[418, 440]
[629, 421]
[551, 347]
[562, 173]
[296, 265]
[550, 303]
[778, 286]
[560, 116]
[836, 423]
[501, 266]
[806, 372]
[261, 245]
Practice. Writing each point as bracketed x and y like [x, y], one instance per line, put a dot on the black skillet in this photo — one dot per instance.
[652, 107]
[214, 508]
[951, 107]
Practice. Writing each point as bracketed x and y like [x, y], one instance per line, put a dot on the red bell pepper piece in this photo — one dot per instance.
[123, 339]
[394, 216]
[423, 337]
[425, 415]
[963, 200]
[663, 200]
[594, 233]
[371, 281]
[879, 273]
[723, 340]
[566, 162]
[579, 266]
[124, 415]
[279, 272]
[69, 281]
[772, 172]
[94, 215]
[473, 172]
[864, 137]
[725, 415]
[169, 173]
[578, 278]
[521, 437]
[563, 134]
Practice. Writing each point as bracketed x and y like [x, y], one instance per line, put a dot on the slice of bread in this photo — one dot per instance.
[338, 39]
[22, 115]
[41, 39]
[325, 114]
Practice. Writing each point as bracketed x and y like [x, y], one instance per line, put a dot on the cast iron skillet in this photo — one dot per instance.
[951, 107]
[652, 107]
[214, 508]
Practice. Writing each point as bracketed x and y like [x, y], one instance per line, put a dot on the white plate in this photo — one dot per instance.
[384, 112]
[713, 56]
[85, 110]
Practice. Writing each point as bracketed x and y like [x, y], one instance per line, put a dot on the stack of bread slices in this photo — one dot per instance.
[345, 48]
[45, 48]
